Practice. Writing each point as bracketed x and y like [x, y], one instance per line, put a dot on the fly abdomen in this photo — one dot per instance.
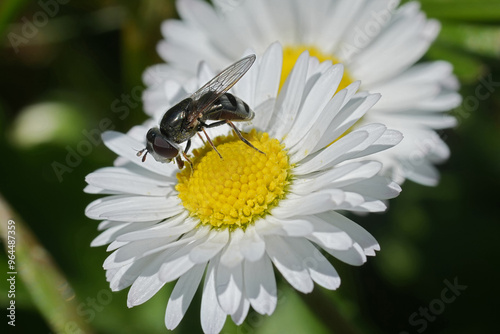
[230, 107]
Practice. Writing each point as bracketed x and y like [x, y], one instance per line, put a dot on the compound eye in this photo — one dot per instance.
[164, 148]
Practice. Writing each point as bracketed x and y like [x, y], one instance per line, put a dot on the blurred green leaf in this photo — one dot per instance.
[472, 10]
[467, 67]
[483, 40]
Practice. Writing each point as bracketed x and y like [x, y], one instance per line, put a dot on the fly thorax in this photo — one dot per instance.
[174, 123]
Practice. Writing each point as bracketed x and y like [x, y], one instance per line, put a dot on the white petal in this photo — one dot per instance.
[179, 33]
[260, 285]
[202, 16]
[282, 20]
[422, 172]
[351, 90]
[268, 79]
[177, 263]
[366, 20]
[408, 35]
[327, 235]
[122, 277]
[134, 208]
[241, 313]
[290, 98]
[133, 251]
[183, 58]
[349, 114]
[379, 138]
[229, 287]
[355, 231]
[337, 177]
[339, 19]
[105, 224]
[322, 272]
[377, 187]
[114, 232]
[367, 206]
[319, 96]
[115, 245]
[271, 225]
[171, 227]
[388, 139]
[252, 246]
[99, 191]
[210, 248]
[109, 235]
[355, 256]
[123, 180]
[354, 201]
[332, 153]
[232, 255]
[182, 295]
[320, 201]
[156, 74]
[212, 315]
[288, 256]
[148, 283]
[311, 139]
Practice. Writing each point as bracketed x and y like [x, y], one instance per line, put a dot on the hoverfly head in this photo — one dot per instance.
[159, 147]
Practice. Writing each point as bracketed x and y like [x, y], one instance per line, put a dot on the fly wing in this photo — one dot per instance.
[204, 97]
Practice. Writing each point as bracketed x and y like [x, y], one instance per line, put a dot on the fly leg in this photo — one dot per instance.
[203, 125]
[238, 133]
[243, 139]
[179, 161]
[211, 143]
[203, 140]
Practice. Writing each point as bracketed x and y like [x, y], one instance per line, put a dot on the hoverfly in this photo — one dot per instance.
[187, 118]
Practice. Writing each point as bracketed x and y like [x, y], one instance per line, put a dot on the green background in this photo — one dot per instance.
[80, 67]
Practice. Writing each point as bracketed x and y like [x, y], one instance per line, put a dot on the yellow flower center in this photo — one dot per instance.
[234, 191]
[292, 53]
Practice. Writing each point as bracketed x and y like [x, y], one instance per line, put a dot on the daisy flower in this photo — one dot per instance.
[233, 220]
[377, 42]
